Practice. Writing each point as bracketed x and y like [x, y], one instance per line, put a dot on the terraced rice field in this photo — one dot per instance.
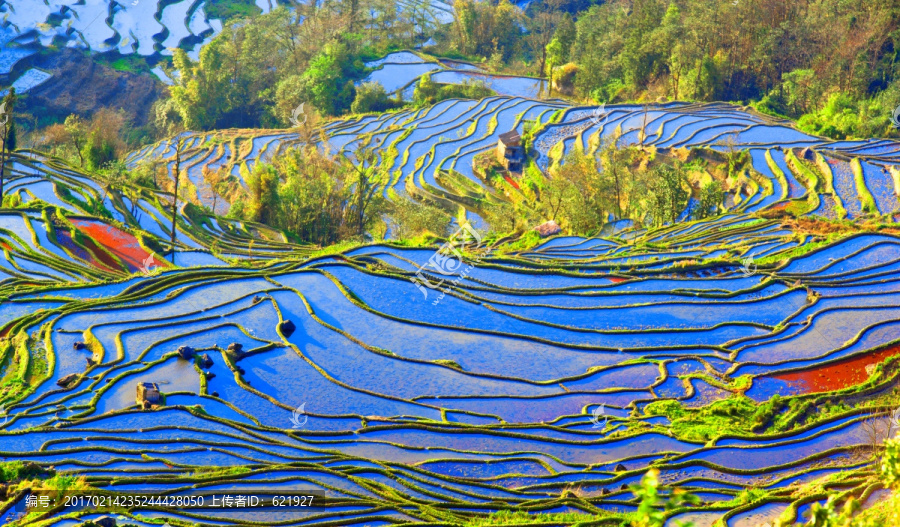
[846, 179]
[532, 378]
[544, 379]
[399, 72]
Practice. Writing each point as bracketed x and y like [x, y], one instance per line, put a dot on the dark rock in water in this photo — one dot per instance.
[547, 229]
[624, 486]
[241, 370]
[105, 521]
[90, 362]
[205, 361]
[215, 394]
[257, 299]
[287, 328]
[67, 380]
[78, 345]
[620, 468]
[186, 352]
[235, 348]
[604, 492]
[209, 375]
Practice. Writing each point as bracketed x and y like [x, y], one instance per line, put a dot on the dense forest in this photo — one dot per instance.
[832, 64]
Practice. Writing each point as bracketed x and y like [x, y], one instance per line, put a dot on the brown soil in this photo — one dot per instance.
[818, 226]
[840, 375]
[80, 85]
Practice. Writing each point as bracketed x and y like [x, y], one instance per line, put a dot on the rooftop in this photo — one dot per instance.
[510, 138]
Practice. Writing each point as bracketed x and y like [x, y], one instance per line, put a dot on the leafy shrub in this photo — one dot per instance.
[371, 97]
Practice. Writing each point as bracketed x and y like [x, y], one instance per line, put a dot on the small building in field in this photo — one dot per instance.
[510, 152]
[148, 394]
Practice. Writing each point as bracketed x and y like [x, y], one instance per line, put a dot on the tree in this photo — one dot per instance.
[555, 196]
[554, 58]
[113, 174]
[711, 196]
[541, 27]
[615, 166]
[481, 27]
[97, 151]
[667, 197]
[217, 180]
[410, 219]
[263, 183]
[311, 195]
[366, 187]
[78, 135]
[7, 132]
[590, 197]
[176, 176]
[655, 505]
[371, 97]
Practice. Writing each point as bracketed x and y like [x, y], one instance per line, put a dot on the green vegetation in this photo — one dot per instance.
[371, 97]
[654, 506]
[828, 62]
[131, 63]
[14, 471]
[318, 198]
[428, 92]
[228, 9]
[628, 183]
[737, 415]
[258, 70]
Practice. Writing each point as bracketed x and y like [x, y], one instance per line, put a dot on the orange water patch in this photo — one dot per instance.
[839, 375]
[116, 241]
[617, 280]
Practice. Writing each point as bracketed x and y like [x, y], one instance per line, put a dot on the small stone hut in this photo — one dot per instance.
[148, 394]
[510, 152]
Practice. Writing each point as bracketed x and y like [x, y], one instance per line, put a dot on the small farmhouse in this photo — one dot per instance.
[148, 394]
[510, 152]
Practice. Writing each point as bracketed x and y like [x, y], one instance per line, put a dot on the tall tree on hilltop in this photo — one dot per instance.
[366, 183]
[176, 175]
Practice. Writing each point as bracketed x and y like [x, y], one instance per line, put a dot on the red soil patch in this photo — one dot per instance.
[118, 242]
[618, 280]
[94, 255]
[101, 259]
[840, 375]
[511, 181]
[5, 246]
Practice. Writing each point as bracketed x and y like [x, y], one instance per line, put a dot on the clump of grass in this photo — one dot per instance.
[738, 415]
[524, 518]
